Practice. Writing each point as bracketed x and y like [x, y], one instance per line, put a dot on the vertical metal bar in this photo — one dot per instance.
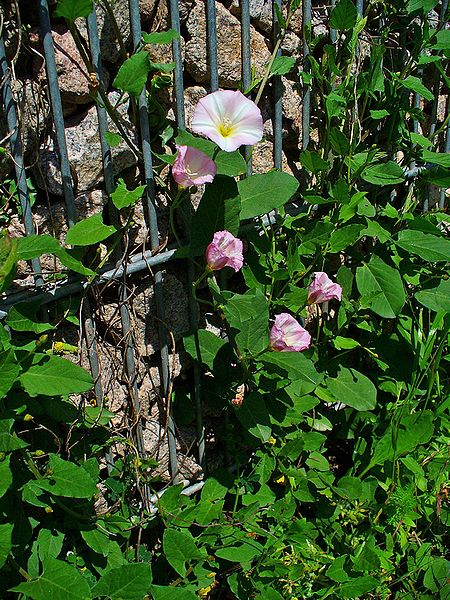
[212, 44]
[17, 154]
[446, 150]
[130, 363]
[277, 99]
[176, 50]
[58, 118]
[154, 243]
[333, 36]
[193, 311]
[306, 68]
[246, 66]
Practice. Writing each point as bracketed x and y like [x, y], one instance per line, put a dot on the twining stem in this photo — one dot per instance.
[101, 92]
[273, 57]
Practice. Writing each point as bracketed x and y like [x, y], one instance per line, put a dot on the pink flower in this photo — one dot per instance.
[192, 167]
[224, 251]
[287, 335]
[229, 119]
[322, 289]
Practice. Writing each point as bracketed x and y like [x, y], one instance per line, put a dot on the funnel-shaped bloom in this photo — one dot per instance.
[224, 251]
[229, 119]
[192, 167]
[287, 335]
[322, 289]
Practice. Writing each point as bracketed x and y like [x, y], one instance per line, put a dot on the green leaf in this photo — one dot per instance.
[345, 236]
[59, 581]
[436, 576]
[97, 541]
[357, 588]
[36, 245]
[208, 346]
[349, 487]
[50, 543]
[336, 570]
[55, 376]
[335, 105]
[254, 416]
[248, 315]
[429, 247]
[241, 552]
[296, 368]
[123, 197]
[423, 5]
[9, 441]
[5, 542]
[65, 478]
[184, 138]
[413, 430]
[388, 173]
[339, 142]
[441, 40]
[218, 210]
[265, 192]
[5, 475]
[282, 65]
[376, 277]
[89, 231]
[9, 371]
[343, 16]
[130, 582]
[352, 388]
[180, 550]
[24, 317]
[160, 592]
[312, 162]
[379, 114]
[160, 37]
[8, 257]
[230, 163]
[439, 176]
[113, 139]
[72, 9]
[436, 299]
[132, 75]
[415, 85]
[437, 158]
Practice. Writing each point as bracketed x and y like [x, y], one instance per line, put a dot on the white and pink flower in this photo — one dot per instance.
[287, 335]
[192, 167]
[322, 289]
[229, 119]
[224, 251]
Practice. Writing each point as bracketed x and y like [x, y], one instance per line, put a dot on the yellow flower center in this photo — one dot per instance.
[226, 127]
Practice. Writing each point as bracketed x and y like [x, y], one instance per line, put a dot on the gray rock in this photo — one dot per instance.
[33, 114]
[261, 14]
[229, 47]
[83, 145]
[73, 77]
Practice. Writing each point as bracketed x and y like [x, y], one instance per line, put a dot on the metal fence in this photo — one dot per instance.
[119, 271]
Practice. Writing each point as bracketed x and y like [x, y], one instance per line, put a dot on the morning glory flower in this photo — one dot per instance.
[287, 335]
[229, 119]
[322, 289]
[224, 251]
[192, 167]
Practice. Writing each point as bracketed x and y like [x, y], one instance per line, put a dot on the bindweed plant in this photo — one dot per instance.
[322, 352]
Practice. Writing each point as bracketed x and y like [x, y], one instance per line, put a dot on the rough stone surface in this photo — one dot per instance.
[83, 146]
[229, 47]
[73, 77]
[261, 14]
[33, 114]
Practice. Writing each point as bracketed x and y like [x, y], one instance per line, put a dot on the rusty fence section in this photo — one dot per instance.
[152, 258]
